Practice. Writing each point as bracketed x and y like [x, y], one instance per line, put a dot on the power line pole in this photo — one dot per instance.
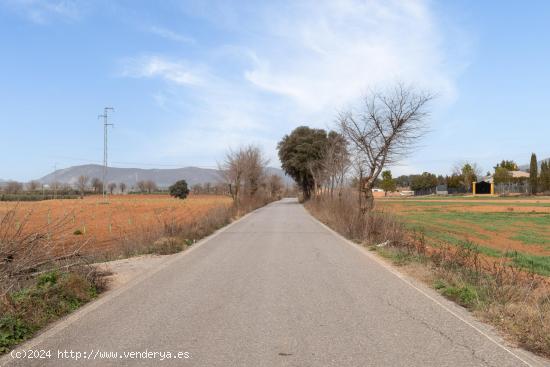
[106, 124]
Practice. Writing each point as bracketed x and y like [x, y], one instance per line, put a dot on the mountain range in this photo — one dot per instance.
[130, 176]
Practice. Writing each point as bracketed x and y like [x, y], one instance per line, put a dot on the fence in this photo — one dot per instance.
[512, 188]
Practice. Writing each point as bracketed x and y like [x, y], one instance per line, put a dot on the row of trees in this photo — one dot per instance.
[244, 173]
[381, 132]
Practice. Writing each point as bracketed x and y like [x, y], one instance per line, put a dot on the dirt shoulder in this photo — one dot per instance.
[124, 271]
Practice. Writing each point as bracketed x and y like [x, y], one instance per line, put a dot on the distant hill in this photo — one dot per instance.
[525, 167]
[162, 177]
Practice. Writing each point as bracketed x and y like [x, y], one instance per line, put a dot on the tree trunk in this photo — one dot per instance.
[368, 202]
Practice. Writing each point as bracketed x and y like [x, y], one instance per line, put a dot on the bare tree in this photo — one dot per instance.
[254, 164]
[275, 185]
[150, 186]
[142, 186]
[82, 183]
[243, 170]
[111, 186]
[385, 130]
[122, 187]
[13, 187]
[97, 185]
[336, 162]
[33, 185]
[232, 170]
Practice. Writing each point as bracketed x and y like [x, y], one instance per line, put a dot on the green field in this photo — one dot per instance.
[517, 229]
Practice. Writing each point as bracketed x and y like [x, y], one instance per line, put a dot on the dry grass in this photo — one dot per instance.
[516, 301]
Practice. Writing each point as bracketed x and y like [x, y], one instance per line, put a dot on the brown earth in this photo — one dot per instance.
[101, 225]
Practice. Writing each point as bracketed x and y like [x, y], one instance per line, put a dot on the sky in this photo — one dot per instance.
[189, 79]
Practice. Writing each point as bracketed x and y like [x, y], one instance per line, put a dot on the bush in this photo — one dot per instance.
[51, 295]
[179, 189]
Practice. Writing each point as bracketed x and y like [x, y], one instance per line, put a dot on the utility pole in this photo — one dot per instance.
[106, 124]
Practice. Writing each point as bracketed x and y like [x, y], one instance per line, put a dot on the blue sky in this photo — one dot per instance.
[190, 79]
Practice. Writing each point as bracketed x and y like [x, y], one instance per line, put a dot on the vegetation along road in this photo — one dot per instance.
[273, 289]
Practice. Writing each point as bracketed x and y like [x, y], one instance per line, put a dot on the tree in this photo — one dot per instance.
[545, 176]
[533, 174]
[509, 165]
[13, 187]
[33, 185]
[179, 189]
[388, 183]
[275, 185]
[468, 173]
[97, 185]
[111, 187]
[233, 172]
[254, 166]
[243, 170]
[122, 187]
[424, 181]
[502, 175]
[142, 186]
[81, 183]
[336, 161]
[301, 154]
[385, 130]
[150, 186]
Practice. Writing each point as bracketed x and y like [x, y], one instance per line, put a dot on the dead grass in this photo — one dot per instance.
[516, 301]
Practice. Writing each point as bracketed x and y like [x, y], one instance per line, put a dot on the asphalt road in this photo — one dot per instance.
[275, 289]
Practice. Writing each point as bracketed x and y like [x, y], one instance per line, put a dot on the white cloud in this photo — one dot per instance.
[330, 52]
[294, 63]
[155, 66]
[171, 35]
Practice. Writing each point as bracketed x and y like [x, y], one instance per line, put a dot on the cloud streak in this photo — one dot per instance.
[44, 11]
[170, 35]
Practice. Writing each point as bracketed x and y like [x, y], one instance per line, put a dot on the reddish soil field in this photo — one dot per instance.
[102, 225]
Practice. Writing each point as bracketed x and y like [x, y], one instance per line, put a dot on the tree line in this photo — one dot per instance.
[378, 133]
[384, 129]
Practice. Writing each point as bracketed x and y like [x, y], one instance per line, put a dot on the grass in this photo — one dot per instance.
[537, 264]
[50, 296]
[532, 238]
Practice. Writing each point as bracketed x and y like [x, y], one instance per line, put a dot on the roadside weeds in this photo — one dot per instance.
[516, 301]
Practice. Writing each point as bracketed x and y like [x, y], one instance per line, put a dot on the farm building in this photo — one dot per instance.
[483, 188]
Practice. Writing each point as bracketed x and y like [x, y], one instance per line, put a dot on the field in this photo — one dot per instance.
[516, 229]
[102, 226]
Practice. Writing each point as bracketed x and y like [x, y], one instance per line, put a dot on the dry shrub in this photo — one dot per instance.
[26, 253]
[342, 215]
[170, 235]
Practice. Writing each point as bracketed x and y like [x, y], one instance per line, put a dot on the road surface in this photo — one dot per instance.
[274, 289]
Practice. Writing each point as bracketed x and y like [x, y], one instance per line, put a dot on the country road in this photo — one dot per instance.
[276, 288]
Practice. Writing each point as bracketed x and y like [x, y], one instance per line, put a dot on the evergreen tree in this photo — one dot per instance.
[545, 176]
[388, 183]
[533, 174]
